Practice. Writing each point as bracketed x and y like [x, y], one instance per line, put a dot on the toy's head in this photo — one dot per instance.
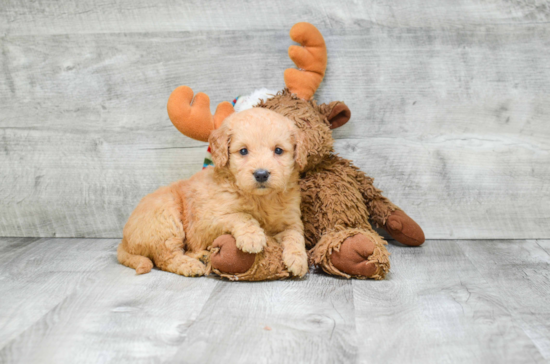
[295, 102]
[315, 121]
[260, 150]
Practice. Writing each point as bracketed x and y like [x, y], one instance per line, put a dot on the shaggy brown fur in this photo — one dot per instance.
[337, 198]
[175, 226]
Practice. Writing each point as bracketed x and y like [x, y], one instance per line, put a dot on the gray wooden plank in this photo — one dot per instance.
[11, 246]
[115, 317]
[50, 17]
[438, 307]
[448, 301]
[451, 122]
[36, 275]
[461, 188]
[544, 244]
[521, 272]
[293, 321]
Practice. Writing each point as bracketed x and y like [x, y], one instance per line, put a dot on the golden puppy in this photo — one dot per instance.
[252, 191]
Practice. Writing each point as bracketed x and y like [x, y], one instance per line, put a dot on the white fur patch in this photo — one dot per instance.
[249, 101]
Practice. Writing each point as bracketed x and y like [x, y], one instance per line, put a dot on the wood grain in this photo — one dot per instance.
[309, 320]
[523, 280]
[78, 306]
[38, 274]
[69, 300]
[438, 307]
[448, 99]
[87, 16]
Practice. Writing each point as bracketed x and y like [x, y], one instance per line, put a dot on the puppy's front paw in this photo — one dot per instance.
[296, 262]
[191, 268]
[251, 242]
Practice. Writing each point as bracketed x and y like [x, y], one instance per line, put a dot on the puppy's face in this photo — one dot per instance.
[315, 122]
[260, 148]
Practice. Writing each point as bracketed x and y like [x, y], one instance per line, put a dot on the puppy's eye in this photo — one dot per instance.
[243, 151]
[278, 151]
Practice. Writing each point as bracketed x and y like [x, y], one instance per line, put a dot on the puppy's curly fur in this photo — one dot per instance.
[175, 226]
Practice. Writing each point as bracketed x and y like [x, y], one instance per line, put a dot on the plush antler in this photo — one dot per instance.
[195, 121]
[311, 60]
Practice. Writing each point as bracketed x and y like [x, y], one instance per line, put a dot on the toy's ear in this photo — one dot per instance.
[219, 145]
[300, 151]
[337, 113]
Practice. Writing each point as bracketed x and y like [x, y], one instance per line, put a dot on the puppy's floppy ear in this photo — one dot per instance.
[300, 150]
[219, 145]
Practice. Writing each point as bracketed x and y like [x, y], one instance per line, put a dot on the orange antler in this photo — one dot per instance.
[195, 121]
[311, 60]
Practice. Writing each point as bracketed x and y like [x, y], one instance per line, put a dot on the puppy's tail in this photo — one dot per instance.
[140, 263]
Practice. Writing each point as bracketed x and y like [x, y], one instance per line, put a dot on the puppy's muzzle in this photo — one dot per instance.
[261, 175]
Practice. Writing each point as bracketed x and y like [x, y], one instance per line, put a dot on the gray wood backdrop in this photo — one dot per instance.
[450, 102]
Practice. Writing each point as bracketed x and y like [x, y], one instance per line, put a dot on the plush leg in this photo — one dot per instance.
[229, 262]
[169, 257]
[229, 259]
[404, 229]
[385, 214]
[352, 253]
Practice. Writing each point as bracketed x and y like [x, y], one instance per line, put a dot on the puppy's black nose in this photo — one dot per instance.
[261, 175]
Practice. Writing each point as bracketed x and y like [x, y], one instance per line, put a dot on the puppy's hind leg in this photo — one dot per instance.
[170, 258]
[140, 263]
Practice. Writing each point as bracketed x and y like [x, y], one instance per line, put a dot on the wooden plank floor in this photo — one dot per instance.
[471, 301]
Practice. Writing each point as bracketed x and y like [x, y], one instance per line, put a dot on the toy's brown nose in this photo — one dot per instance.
[261, 175]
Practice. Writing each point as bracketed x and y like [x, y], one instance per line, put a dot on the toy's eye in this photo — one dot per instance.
[243, 151]
[278, 151]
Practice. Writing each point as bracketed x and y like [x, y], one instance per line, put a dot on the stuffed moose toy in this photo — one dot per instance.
[338, 200]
